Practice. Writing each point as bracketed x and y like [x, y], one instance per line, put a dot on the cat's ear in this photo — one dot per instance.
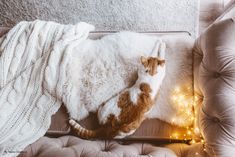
[144, 60]
[161, 62]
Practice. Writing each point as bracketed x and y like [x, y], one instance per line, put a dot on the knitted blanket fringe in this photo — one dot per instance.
[33, 61]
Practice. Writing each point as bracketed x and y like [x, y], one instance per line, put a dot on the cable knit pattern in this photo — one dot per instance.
[34, 57]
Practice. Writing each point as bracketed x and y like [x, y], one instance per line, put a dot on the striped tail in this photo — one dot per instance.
[83, 132]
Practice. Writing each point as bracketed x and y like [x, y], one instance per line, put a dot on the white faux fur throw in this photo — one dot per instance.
[33, 62]
[102, 68]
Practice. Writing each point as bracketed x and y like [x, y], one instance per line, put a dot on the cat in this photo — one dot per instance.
[122, 115]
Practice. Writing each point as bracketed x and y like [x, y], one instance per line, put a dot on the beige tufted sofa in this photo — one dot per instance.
[214, 83]
[216, 80]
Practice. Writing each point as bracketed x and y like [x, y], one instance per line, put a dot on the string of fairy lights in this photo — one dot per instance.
[185, 102]
[182, 98]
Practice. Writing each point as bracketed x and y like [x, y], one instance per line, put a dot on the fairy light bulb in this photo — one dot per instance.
[197, 130]
[189, 132]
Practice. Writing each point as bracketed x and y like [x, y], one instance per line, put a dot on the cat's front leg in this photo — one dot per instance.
[162, 50]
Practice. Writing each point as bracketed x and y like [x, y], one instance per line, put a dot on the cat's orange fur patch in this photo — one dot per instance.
[132, 114]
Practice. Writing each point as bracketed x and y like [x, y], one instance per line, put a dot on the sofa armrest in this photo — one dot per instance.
[228, 13]
[216, 81]
[228, 4]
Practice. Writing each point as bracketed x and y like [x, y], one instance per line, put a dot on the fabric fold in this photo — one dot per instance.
[33, 62]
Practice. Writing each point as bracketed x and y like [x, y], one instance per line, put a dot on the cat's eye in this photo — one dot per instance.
[146, 71]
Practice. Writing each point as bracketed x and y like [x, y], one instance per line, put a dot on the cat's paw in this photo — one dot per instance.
[162, 50]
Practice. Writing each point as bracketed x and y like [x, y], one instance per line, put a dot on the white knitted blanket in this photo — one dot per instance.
[33, 78]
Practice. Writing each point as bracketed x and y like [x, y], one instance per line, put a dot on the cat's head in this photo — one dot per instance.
[151, 65]
[155, 62]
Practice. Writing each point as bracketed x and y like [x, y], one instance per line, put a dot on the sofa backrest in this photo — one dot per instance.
[214, 65]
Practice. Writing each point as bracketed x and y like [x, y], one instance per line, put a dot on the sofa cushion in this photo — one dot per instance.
[74, 147]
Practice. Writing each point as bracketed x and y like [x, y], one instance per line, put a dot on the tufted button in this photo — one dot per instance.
[105, 150]
[216, 74]
[216, 120]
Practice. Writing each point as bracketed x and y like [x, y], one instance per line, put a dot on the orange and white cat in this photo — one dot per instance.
[123, 114]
